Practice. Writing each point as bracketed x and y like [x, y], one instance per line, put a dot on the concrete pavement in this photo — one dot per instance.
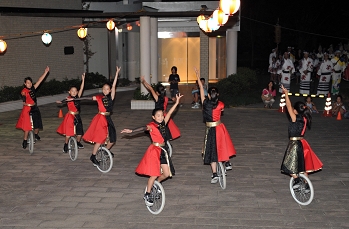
[48, 190]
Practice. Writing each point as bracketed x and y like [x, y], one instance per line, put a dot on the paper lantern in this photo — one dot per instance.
[82, 33]
[229, 7]
[129, 27]
[3, 46]
[110, 25]
[212, 24]
[46, 38]
[200, 18]
[220, 17]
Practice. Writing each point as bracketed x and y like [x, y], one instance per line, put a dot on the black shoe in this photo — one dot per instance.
[148, 199]
[94, 160]
[65, 148]
[228, 166]
[80, 146]
[24, 144]
[214, 178]
[296, 184]
[37, 137]
[106, 154]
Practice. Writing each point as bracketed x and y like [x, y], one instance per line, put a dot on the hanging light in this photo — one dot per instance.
[82, 32]
[200, 18]
[212, 24]
[129, 27]
[138, 23]
[220, 17]
[204, 26]
[3, 46]
[110, 25]
[46, 38]
[229, 7]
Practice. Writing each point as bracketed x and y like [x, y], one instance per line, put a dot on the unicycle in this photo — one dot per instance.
[105, 159]
[31, 142]
[157, 192]
[73, 148]
[169, 148]
[303, 192]
[221, 175]
[30, 139]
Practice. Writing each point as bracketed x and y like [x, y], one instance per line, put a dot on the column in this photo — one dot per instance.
[132, 55]
[145, 50]
[204, 56]
[232, 46]
[154, 50]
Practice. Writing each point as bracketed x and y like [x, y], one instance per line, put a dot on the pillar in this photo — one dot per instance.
[154, 50]
[232, 46]
[145, 50]
[132, 55]
[204, 56]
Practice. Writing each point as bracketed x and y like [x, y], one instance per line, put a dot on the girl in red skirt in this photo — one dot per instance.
[299, 157]
[72, 124]
[101, 125]
[218, 146]
[161, 102]
[30, 107]
[155, 156]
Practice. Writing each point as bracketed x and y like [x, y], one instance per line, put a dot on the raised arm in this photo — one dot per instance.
[128, 131]
[288, 104]
[113, 88]
[173, 108]
[82, 85]
[201, 87]
[42, 77]
[149, 88]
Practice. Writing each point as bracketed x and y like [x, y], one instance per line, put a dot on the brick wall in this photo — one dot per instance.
[27, 55]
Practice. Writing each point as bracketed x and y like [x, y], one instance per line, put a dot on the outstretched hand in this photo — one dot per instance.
[283, 89]
[47, 69]
[58, 101]
[83, 76]
[117, 70]
[178, 96]
[141, 78]
[127, 131]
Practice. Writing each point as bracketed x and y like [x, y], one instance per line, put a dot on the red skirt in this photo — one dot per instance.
[174, 130]
[98, 130]
[150, 163]
[312, 162]
[67, 127]
[24, 121]
[225, 147]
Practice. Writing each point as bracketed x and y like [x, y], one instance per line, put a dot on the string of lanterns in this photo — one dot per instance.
[219, 17]
[46, 37]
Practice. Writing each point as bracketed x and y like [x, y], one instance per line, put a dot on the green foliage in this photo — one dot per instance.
[123, 82]
[239, 89]
[138, 95]
[10, 93]
[94, 80]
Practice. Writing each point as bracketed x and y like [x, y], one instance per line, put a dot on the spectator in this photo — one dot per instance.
[268, 95]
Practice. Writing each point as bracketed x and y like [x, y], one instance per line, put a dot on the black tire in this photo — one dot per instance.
[31, 142]
[301, 194]
[73, 148]
[221, 175]
[158, 194]
[105, 160]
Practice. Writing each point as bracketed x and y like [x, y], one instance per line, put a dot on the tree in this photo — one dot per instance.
[87, 51]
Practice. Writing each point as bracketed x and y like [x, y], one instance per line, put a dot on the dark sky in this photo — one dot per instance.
[307, 20]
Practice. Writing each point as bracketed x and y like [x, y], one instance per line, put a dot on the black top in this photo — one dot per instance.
[108, 102]
[160, 103]
[295, 128]
[174, 77]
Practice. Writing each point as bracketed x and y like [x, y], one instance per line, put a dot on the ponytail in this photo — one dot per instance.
[304, 111]
[213, 92]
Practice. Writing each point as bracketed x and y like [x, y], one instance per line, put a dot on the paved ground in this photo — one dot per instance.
[47, 190]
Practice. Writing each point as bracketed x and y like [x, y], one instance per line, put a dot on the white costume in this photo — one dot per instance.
[286, 70]
[324, 72]
[271, 55]
[338, 68]
[305, 79]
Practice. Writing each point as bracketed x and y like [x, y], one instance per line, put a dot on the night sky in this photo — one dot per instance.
[256, 38]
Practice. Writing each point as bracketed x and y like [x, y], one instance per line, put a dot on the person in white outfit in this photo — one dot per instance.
[324, 74]
[338, 69]
[286, 70]
[306, 67]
